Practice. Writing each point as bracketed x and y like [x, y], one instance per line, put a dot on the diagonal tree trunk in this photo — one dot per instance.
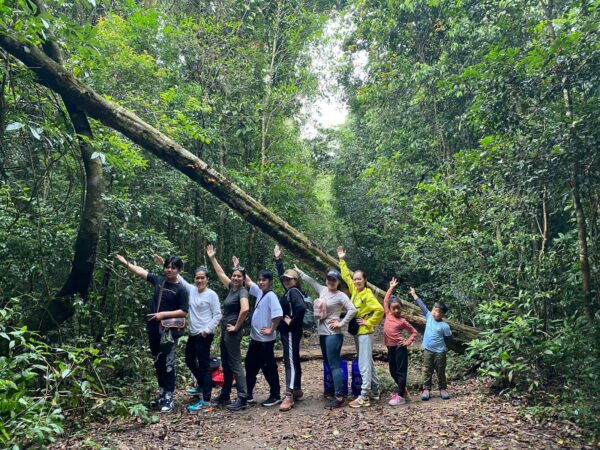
[57, 78]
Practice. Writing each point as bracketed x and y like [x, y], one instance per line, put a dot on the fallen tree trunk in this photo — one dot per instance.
[348, 353]
[57, 78]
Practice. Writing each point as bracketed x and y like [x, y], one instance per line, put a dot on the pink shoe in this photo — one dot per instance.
[396, 400]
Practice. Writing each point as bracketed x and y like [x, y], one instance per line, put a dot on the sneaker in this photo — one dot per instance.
[360, 402]
[194, 391]
[168, 404]
[272, 401]
[375, 396]
[397, 400]
[335, 403]
[250, 400]
[425, 395]
[298, 394]
[196, 406]
[444, 394]
[158, 401]
[288, 402]
[239, 404]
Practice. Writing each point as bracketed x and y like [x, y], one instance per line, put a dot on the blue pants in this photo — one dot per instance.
[331, 349]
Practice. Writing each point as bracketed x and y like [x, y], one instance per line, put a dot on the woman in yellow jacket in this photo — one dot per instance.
[369, 314]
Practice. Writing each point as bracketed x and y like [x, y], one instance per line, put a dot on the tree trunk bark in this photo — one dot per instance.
[584, 261]
[80, 277]
[58, 79]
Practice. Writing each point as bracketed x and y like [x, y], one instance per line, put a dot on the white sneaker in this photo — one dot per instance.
[396, 400]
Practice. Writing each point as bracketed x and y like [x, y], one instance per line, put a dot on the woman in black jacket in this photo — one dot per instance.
[290, 330]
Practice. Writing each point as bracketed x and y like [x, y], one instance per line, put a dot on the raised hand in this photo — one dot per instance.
[341, 252]
[412, 292]
[158, 259]
[393, 283]
[236, 261]
[121, 260]
[277, 252]
[210, 251]
[298, 271]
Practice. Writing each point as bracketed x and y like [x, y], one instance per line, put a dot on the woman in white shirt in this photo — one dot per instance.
[204, 316]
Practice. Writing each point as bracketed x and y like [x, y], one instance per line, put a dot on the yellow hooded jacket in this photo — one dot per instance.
[365, 302]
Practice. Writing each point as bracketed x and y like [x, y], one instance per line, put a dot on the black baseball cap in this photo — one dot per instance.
[334, 274]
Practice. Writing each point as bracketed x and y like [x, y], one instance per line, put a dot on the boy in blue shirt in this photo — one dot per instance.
[437, 334]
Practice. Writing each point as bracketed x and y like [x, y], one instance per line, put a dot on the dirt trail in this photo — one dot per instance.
[471, 419]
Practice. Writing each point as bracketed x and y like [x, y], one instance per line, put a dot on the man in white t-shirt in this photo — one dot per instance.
[261, 351]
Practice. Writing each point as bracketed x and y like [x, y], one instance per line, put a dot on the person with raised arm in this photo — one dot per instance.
[369, 314]
[290, 331]
[261, 351]
[204, 317]
[235, 311]
[327, 311]
[169, 300]
[394, 330]
[437, 335]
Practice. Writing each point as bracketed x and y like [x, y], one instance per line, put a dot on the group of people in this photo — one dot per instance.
[361, 313]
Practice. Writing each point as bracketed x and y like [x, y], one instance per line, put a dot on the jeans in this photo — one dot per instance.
[437, 362]
[197, 358]
[163, 363]
[231, 358]
[398, 362]
[331, 348]
[261, 356]
[366, 365]
[291, 359]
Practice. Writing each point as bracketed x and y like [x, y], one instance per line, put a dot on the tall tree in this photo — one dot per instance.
[57, 78]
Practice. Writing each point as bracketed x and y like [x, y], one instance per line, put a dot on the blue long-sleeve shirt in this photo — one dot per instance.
[436, 332]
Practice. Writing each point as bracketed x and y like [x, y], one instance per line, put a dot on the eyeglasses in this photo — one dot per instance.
[237, 269]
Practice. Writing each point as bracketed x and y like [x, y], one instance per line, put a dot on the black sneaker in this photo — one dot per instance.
[272, 401]
[168, 404]
[158, 401]
[250, 400]
[223, 401]
[335, 403]
[239, 404]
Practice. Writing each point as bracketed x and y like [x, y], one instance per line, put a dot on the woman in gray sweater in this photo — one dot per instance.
[327, 311]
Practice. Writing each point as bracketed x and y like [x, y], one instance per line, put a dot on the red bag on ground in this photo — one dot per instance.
[217, 377]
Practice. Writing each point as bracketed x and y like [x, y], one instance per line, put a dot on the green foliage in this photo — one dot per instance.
[24, 417]
[456, 172]
[41, 384]
[511, 354]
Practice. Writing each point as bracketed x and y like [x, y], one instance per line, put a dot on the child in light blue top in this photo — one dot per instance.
[437, 334]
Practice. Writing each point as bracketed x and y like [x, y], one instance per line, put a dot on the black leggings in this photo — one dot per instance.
[197, 358]
[261, 356]
[398, 361]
